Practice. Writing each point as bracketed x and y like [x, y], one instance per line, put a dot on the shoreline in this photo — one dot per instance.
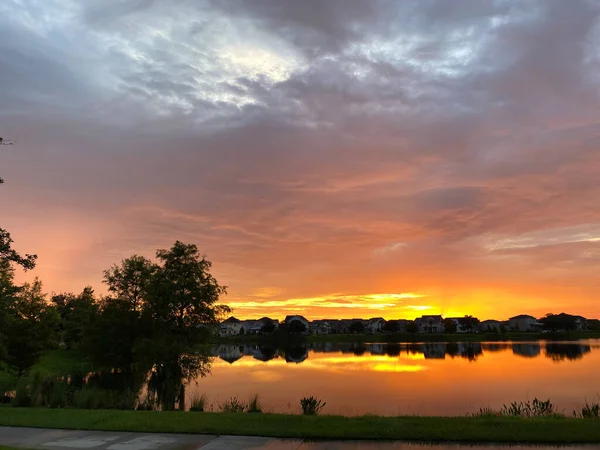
[409, 337]
[323, 427]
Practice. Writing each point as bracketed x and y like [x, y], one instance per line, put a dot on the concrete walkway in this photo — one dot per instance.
[43, 439]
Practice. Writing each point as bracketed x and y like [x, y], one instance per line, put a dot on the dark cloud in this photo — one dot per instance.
[336, 142]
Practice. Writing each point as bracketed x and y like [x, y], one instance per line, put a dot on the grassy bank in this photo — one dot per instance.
[412, 337]
[459, 429]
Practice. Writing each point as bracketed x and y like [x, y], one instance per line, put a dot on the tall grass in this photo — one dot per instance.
[198, 403]
[233, 405]
[311, 406]
[255, 406]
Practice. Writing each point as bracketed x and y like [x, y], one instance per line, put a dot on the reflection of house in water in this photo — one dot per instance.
[495, 347]
[296, 354]
[561, 351]
[325, 347]
[377, 349]
[231, 353]
[433, 350]
[526, 350]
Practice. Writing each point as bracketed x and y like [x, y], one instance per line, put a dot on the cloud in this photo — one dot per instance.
[310, 147]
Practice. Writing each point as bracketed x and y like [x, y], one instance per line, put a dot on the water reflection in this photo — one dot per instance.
[470, 351]
[527, 350]
[374, 378]
[571, 352]
[433, 378]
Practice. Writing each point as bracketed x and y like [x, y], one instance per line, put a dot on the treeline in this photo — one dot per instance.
[155, 310]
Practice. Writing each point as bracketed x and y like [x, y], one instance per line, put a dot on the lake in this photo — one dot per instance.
[396, 379]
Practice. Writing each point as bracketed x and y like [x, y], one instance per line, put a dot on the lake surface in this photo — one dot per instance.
[393, 379]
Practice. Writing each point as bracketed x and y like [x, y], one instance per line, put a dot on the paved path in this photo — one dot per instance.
[43, 439]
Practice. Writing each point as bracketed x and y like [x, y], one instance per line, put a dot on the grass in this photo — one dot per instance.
[458, 429]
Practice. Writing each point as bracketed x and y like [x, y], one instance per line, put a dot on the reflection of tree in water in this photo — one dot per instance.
[296, 353]
[571, 352]
[495, 347]
[266, 353]
[393, 349]
[359, 349]
[167, 379]
[471, 351]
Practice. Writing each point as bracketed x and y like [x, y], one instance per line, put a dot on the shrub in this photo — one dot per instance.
[233, 405]
[254, 406]
[198, 403]
[97, 398]
[146, 405]
[311, 406]
[22, 399]
[589, 411]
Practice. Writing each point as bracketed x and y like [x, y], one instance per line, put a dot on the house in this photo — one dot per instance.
[296, 324]
[430, 324]
[230, 327]
[524, 322]
[526, 350]
[319, 327]
[490, 325]
[250, 327]
[458, 324]
[396, 325]
[581, 323]
[375, 325]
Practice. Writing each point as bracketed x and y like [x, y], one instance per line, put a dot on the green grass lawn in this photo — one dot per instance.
[459, 429]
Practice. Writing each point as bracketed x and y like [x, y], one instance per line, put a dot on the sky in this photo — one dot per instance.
[332, 158]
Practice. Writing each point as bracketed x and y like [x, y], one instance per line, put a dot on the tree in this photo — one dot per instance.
[182, 300]
[412, 328]
[556, 322]
[130, 281]
[297, 326]
[391, 326]
[268, 328]
[469, 323]
[7, 253]
[357, 327]
[109, 337]
[76, 312]
[31, 326]
[449, 326]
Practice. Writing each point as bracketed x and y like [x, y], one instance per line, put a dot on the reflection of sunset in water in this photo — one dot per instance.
[431, 378]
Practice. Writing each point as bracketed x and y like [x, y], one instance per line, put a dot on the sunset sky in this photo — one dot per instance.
[333, 158]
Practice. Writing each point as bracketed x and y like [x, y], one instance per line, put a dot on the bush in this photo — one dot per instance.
[589, 411]
[96, 398]
[254, 406]
[311, 406]
[233, 405]
[198, 403]
[146, 405]
[22, 399]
